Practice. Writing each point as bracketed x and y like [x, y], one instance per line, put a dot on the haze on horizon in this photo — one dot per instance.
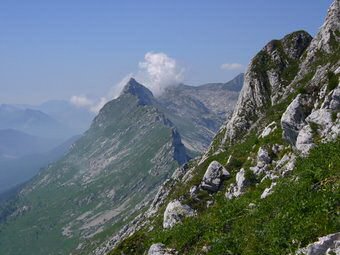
[86, 50]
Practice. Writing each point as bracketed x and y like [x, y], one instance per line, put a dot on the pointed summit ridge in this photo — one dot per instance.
[136, 89]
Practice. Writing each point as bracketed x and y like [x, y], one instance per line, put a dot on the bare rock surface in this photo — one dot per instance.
[214, 176]
[160, 249]
[326, 245]
[175, 212]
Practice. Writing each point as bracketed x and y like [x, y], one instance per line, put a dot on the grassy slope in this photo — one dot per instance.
[53, 206]
[303, 207]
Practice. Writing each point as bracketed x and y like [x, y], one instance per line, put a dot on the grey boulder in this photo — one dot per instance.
[160, 249]
[214, 177]
[293, 119]
[326, 245]
[237, 189]
[175, 212]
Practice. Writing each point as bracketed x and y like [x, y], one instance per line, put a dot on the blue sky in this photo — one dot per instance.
[58, 49]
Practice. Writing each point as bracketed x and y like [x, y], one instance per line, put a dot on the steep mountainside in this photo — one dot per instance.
[269, 183]
[108, 175]
[268, 75]
[198, 112]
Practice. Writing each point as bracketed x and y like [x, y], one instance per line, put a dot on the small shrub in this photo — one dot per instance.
[314, 127]
[337, 33]
[334, 116]
[333, 81]
[302, 90]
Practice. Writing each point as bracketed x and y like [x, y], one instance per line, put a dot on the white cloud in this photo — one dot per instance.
[85, 102]
[81, 101]
[159, 71]
[98, 105]
[116, 89]
[232, 66]
[95, 105]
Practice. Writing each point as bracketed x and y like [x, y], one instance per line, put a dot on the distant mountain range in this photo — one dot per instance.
[115, 168]
[52, 119]
[33, 136]
[75, 118]
[23, 155]
[14, 144]
[28, 133]
[199, 111]
[33, 122]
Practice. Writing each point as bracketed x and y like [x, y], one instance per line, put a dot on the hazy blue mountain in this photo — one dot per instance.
[33, 122]
[110, 173]
[76, 118]
[22, 156]
[14, 144]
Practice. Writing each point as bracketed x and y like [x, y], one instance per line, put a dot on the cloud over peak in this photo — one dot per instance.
[159, 71]
[156, 72]
[232, 66]
[90, 104]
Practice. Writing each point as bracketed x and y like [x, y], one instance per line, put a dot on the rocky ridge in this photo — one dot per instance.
[109, 175]
[288, 110]
[199, 112]
[266, 79]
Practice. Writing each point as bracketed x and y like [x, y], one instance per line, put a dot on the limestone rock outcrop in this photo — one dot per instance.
[214, 176]
[326, 245]
[160, 249]
[175, 212]
[265, 81]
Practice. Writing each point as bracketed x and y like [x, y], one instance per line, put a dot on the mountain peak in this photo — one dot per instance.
[136, 89]
[329, 32]
[266, 81]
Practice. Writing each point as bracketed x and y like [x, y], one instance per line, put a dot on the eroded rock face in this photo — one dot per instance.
[293, 119]
[262, 161]
[304, 141]
[263, 156]
[286, 164]
[326, 245]
[335, 99]
[268, 191]
[326, 37]
[264, 82]
[268, 130]
[175, 212]
[320, 123]
[332, 100]
[237, 189]
[160, 249]
[214, 176]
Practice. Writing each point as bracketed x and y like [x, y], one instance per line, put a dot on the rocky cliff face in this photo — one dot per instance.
[266, 79]
[198, 112]
[281, 152]
[326, 41]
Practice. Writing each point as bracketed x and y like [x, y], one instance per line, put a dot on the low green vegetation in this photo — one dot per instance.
[303, 207]
[333, 81]
[60, 206]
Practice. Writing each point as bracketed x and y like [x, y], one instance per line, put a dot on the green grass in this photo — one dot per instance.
[303, 207]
